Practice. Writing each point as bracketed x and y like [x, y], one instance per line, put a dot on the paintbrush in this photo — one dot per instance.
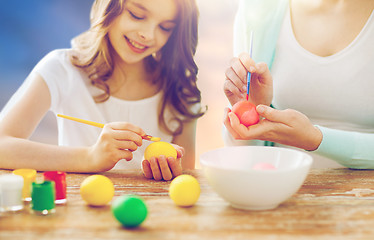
[100, 125]
[249, 73]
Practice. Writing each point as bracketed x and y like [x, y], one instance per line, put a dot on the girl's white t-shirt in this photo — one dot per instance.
[72, 94]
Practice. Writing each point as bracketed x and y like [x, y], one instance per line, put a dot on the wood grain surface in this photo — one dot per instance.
[331, 204]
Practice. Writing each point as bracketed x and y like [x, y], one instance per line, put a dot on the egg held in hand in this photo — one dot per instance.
[246, 112]
[157, 149]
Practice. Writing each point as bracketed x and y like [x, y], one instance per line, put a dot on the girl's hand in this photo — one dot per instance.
[117, 141]
[235, 86]
[288, 127]
[162, 168]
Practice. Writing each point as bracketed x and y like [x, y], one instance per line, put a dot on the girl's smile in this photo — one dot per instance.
[135, 46]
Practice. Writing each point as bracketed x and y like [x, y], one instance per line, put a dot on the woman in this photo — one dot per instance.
[322, 76]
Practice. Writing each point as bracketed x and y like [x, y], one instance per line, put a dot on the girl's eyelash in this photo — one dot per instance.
[141, 18]
[166, 29]
[134, 16]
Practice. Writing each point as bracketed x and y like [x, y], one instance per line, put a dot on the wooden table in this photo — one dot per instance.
[332, 204]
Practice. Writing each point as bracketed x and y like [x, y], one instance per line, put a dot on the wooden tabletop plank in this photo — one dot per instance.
[331, 204]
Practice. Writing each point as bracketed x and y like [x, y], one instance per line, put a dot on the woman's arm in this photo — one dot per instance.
[290, 127]
[351, 149]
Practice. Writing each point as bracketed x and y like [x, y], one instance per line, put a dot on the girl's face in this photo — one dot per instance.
[143, 28]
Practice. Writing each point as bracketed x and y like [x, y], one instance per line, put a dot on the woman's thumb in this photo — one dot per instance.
[269, 113]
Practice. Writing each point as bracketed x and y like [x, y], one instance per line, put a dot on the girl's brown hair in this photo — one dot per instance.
[175, 69]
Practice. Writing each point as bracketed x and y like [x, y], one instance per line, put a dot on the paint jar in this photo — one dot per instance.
[60, 184]
[11, 193]
[43, 197]
[29, 176]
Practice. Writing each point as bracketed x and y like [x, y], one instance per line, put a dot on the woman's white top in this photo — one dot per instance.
[72, 94]
[334, 92]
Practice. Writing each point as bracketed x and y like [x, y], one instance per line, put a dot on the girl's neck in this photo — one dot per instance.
[131, 81]
[130, 72]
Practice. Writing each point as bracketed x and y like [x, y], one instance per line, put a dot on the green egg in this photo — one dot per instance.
[129, 210]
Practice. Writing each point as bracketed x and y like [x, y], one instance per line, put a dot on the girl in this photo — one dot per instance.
[323, 79]
[134, 70]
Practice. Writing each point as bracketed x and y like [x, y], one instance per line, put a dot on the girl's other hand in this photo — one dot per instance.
[235, 86]
[162, 168]
[117, 141]
[288, 127]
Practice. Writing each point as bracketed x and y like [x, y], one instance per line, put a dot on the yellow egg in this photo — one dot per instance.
[97, 190]
[156, 149]
[184, 190]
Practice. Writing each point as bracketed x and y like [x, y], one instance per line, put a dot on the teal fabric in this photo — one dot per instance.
[351, 149]
[264, 18]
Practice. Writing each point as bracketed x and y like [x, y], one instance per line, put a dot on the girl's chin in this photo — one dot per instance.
[134, 59]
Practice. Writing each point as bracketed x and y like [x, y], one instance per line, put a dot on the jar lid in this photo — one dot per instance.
[26, 173]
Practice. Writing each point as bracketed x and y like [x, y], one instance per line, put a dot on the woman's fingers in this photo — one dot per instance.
[227, 122]
[248, 64]
[274, 115]
[236, 72]
[261, 68]
[232, 93]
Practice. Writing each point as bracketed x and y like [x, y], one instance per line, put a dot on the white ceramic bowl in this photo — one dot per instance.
[230, 173]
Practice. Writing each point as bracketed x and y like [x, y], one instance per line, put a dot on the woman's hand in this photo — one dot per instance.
[235, 86]
[162, 168]
[117, 141]
[288, 127]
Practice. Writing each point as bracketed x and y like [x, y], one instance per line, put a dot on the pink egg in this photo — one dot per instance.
[246, 112]
[264, 166]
